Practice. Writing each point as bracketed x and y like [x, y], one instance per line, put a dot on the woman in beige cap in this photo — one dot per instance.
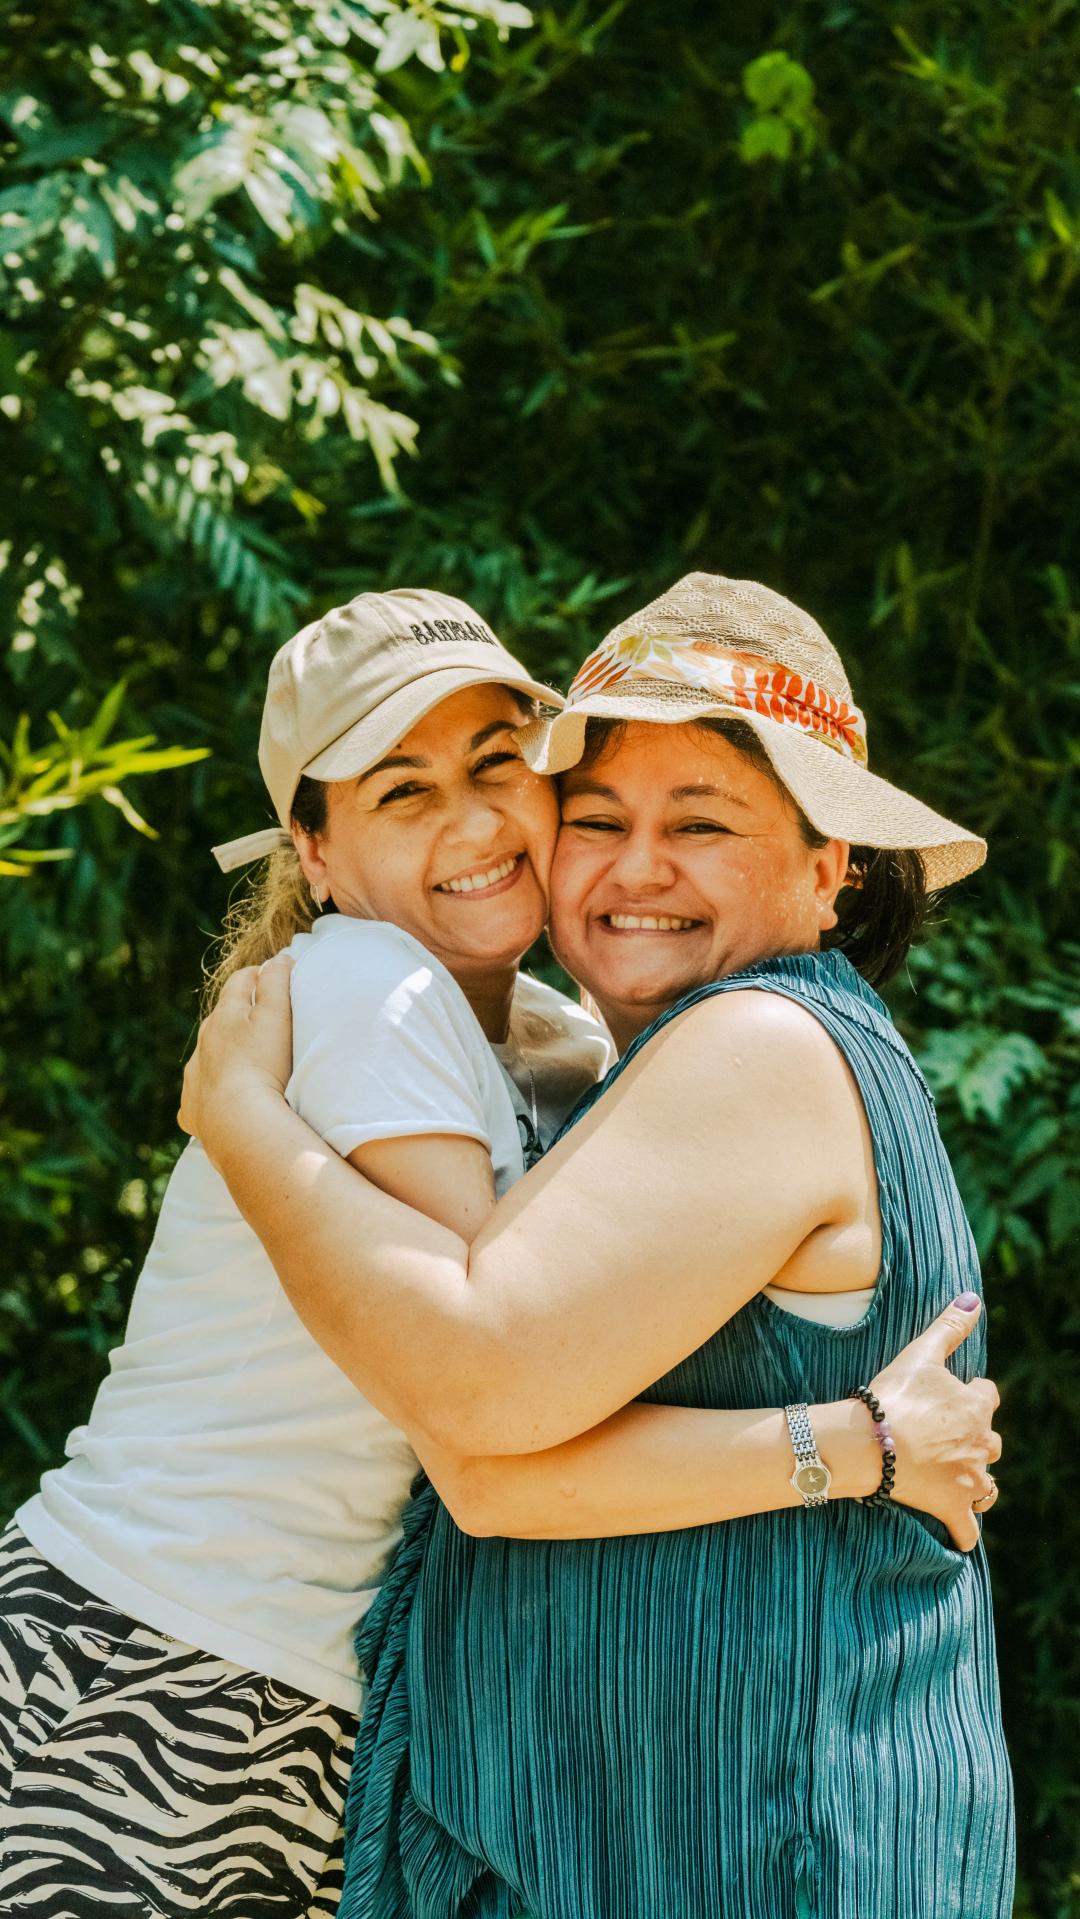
[796, 1713]
[178, 1688]
[177, 1681]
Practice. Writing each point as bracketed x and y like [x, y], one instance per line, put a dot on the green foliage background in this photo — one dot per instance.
[306, 297]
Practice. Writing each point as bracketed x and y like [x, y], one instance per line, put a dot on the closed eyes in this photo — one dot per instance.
[410, 789]
[406, 791]
[491, 760]
[698, 828]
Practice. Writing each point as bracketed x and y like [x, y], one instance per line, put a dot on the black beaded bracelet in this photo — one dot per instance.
[888, 1447]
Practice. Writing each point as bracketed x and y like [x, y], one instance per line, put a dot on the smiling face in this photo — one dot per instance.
[449, 836]
[680, 861]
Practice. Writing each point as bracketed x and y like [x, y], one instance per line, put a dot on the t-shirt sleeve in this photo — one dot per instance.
[380, 1046]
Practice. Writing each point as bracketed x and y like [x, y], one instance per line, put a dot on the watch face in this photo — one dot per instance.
[811, 1480]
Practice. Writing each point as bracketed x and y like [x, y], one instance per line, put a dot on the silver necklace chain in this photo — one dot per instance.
[533, 1144]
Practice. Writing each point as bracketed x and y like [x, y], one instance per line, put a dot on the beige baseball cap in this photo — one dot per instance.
[345, 689]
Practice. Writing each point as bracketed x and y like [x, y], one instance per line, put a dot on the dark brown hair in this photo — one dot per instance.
[883, 903]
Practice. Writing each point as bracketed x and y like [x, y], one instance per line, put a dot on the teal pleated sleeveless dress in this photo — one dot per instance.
[790, 1716]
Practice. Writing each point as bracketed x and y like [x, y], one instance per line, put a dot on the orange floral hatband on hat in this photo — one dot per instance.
[752, 685]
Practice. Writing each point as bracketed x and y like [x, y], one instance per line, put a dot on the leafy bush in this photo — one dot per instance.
[320, 297]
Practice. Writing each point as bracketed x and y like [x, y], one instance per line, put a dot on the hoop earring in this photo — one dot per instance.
[315, 897]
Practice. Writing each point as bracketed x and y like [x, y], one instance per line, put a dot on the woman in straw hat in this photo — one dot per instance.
[796, 1713]
[178, 1688]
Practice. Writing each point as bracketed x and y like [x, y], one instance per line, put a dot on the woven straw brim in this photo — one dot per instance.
[364, 743]
[839, 797]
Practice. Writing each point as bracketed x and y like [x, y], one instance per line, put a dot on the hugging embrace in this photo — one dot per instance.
[687, 1611]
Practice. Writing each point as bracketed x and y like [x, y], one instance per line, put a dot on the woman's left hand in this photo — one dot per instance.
[244, 1047]
[944, 1432]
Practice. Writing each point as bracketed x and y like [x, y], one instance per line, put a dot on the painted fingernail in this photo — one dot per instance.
[967, 1302]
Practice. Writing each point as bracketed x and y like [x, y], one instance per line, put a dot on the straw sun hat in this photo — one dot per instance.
[731, 648]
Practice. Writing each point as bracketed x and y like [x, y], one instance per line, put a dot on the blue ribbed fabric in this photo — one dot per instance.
[793, 1714]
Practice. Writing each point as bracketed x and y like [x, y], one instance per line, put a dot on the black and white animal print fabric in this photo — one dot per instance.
[143, 1779]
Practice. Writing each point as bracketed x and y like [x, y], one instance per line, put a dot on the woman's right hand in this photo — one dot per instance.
[244, 1046]
[943, 1429]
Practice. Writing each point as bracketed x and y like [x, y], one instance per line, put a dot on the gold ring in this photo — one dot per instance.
[986, 1500]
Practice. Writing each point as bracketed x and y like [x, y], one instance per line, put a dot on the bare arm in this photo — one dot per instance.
[647, 1468]
[612, 1260]
[660, 1468]
[651, 1469]
[644, 1468]
[442, 1176]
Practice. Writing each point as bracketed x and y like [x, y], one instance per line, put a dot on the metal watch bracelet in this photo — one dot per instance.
[811, 1477]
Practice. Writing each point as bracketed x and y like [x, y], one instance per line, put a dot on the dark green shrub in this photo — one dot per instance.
[781, 291]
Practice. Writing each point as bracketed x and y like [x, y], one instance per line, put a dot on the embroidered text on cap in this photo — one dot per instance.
[428, 632]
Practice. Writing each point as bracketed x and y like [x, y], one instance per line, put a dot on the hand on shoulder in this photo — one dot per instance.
[244, 1047]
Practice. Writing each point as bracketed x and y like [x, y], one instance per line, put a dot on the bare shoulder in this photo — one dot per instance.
[762, 1035]
[741, 1083]
[747, 1071]
[755, 1076]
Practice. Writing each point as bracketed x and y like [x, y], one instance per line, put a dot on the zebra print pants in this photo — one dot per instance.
[143, 1779]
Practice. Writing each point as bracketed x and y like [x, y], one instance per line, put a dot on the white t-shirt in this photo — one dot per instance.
[231, 1487]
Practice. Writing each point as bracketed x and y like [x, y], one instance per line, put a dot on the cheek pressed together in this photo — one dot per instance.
[679, 861]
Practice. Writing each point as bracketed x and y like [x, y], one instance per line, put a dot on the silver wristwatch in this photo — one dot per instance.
[811, 1478]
